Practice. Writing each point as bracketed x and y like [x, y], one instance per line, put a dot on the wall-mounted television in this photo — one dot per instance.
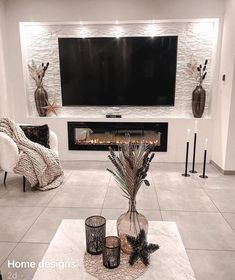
[131, 71]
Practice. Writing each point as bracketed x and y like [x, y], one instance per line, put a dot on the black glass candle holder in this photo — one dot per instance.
[111, 252]
[95, 234]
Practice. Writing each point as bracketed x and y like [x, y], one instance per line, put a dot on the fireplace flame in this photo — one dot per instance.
[94, 139]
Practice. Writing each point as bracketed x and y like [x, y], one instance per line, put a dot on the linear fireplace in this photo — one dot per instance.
[101, 135]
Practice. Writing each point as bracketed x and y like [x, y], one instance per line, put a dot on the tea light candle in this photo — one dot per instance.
[111, 252]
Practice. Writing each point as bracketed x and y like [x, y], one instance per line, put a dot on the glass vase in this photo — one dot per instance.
[130, 223]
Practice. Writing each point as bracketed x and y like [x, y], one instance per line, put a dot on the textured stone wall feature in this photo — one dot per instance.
[194, 38]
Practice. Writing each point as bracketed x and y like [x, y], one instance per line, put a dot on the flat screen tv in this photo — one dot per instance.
[132, 71]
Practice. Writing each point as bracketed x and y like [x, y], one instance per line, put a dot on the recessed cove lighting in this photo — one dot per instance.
[80, 22]
[116, 22]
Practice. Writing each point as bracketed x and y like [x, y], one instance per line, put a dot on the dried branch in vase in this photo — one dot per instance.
[131, 167]
[38, 72]
[197, 71]
[40, 94]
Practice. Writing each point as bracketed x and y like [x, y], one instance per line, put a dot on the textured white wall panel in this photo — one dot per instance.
[40, 43]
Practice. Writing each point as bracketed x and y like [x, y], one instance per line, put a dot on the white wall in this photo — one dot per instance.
[224, 132]
[4, 105]
[93, 10]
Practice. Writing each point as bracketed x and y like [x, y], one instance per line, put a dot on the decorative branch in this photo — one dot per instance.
[198, 72]
[38, 72]
[131, 167]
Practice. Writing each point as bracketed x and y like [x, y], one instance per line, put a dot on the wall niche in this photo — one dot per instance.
[198, 38]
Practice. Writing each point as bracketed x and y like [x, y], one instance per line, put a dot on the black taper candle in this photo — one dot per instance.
[194, 153]
[204, 167]
[185, 174]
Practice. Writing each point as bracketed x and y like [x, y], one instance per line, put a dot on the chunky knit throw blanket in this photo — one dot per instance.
[39, 165]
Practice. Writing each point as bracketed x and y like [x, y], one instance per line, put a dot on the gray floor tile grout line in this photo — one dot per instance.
[221, 213]
[109, 181]
[210, 250]
[205, 190]
[5, 259]
[43, 210]
[155, 190]
[31, 225]
[190, 211]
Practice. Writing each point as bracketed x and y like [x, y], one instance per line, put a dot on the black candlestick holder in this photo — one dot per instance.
[95, 234]
[111, 252]
[204, 176]
[194, 153]
[185, 174]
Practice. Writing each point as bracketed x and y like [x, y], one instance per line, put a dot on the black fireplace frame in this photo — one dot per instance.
[161, 127]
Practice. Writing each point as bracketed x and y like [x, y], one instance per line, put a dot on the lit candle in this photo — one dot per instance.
[195, 126]
[188, 134]
[206, 142]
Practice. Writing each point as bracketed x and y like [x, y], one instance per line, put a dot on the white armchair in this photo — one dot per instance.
[9, 153]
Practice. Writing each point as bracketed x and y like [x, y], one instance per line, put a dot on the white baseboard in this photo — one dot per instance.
[224, 172]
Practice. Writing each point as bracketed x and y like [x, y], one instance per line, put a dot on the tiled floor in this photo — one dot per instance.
[204, 211]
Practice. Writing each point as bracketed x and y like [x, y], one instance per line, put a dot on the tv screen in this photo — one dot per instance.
[133, 71]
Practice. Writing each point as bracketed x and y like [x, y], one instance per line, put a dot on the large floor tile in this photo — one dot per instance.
[24, 252]
[67, 173]
[181, 198]
[217, 181]
[3, 190]
[13, 181]
[202, 230]
[175, 180]
[32, 197]
[5, 250]
[162, 167]
[113, 214]
[230, 218]
[90, 177]
[223, 199]
[15, 221]
[85, 164]
[48, 222]
[114, 198]
[85, 196]
[213, 265]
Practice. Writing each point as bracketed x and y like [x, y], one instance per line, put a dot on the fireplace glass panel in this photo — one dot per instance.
[99, 136]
